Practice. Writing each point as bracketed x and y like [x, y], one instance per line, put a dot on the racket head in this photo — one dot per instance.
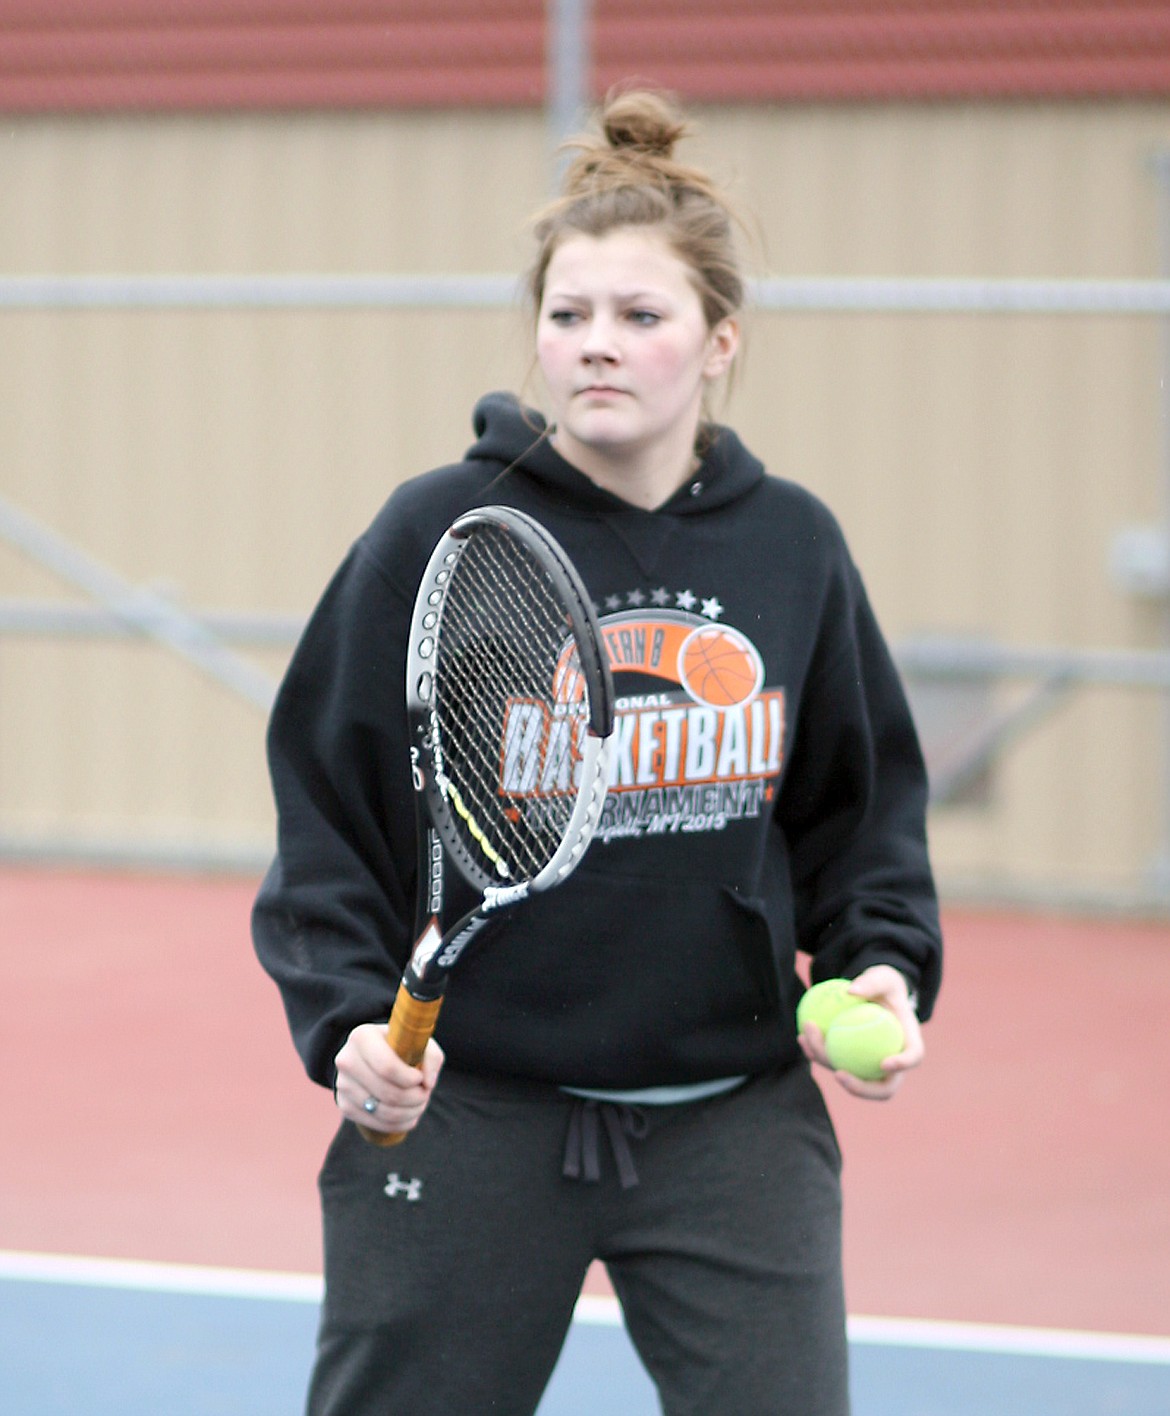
[511, 706]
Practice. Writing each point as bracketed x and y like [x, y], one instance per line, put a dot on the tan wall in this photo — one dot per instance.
[981, 465]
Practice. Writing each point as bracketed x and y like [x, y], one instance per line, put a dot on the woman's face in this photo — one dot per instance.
[626, 355]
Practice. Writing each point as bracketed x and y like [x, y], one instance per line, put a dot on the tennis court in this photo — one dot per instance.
[191, 1341]
[1008, 1217]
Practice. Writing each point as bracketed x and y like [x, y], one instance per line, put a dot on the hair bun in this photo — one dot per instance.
[642, 122]
[624, 174]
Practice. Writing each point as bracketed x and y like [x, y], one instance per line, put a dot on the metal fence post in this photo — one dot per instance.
[1160, 868]
[568, 62]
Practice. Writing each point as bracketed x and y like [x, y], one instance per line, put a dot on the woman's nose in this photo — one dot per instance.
[599, 343]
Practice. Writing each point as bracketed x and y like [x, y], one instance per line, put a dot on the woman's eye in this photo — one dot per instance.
[645, 317]
[563, 317]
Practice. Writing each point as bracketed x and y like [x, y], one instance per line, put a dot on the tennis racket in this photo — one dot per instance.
[510, 709]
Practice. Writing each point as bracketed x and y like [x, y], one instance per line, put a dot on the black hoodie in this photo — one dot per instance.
[772, 804]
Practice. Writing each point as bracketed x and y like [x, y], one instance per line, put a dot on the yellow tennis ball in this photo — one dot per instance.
[824, 1002]
[861, 1039]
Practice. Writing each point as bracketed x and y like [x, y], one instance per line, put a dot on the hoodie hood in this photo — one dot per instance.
[514, 436]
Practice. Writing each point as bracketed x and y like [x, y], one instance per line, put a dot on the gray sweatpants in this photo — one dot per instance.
[453, 1261]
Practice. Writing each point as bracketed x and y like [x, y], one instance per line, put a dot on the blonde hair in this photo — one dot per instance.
[628, 176]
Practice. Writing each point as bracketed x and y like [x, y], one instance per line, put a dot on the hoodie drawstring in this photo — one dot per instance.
[582, 1150]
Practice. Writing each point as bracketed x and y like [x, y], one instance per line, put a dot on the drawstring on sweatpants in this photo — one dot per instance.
[582, 1151]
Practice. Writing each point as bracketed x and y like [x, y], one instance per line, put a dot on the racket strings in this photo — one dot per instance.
[510, 705]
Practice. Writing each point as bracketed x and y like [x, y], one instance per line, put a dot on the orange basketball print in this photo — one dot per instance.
[719, 666]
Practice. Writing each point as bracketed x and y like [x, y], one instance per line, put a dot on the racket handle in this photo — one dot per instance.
[411, 1024]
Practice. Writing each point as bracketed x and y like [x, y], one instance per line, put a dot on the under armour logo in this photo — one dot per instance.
[394, 1187]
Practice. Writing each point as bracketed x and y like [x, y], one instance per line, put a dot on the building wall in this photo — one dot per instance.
[980, 464]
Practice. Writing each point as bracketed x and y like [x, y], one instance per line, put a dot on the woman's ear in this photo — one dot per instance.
[722, 343]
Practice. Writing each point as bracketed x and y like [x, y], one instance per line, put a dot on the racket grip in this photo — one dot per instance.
[412, 1021]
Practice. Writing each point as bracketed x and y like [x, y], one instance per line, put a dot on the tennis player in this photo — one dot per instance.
[621, 1077]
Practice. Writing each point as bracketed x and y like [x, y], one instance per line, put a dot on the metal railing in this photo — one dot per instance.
[135, 608]
[793, 294]
[210, 643]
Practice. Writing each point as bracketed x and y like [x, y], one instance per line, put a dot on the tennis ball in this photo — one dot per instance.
[823, 1002]
[862, 1038]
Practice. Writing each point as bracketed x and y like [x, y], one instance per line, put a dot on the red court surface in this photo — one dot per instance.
[153, 1108]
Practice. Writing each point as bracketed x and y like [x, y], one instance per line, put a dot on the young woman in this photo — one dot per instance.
[621, 1077]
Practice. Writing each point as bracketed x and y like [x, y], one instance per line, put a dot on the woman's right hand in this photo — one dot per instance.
[368, 1069]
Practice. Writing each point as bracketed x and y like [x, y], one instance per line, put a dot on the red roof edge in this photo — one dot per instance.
[109, 55]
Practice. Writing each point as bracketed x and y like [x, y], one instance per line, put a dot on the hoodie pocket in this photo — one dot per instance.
[624, 980]
[693, 954]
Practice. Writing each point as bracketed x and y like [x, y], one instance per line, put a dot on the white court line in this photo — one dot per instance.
[598, 1310]
[153, 1277]
[593, 1309]
[1008, 1341]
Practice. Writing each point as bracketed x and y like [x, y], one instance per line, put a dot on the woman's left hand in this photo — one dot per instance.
[886, 985]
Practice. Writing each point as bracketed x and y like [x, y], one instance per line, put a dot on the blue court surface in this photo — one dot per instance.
[124, 1339]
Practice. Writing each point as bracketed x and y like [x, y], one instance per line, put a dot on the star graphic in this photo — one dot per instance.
[613, 602]
[685, 600]
[712, 608]
[660, 597]
[636, 598]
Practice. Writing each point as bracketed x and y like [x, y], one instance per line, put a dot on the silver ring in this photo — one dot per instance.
[370, 1105]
